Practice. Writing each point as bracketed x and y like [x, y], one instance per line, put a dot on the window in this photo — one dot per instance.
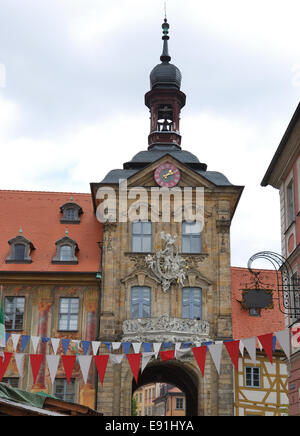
[14, 313]
[71, 213]
[192, 303]
[66, 250]
[65, 253]
[65, 391]
[290, 203]
[252, 377]
[142, 237]
[179, 405]
[140, 306]
[68, 314]
[191, 237]
[11, 381]
[20, 250]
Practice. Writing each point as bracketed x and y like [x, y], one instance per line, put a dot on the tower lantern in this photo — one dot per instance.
[165, 100]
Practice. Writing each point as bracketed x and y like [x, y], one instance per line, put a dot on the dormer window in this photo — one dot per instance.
[71, 213]
[20, 250]
[66, 250]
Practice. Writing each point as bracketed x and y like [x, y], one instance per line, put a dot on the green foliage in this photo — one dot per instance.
[133, 407]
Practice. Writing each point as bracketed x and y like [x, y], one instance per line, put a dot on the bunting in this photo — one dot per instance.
[101, 365]
[36, 362]
[68, 363]
[233, 348]
[134, 362]
[137, 354]
[200, 356]
[267, 344]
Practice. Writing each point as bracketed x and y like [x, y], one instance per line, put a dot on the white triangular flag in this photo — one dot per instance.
[156, 348]
[95, 346]
[19, 358]
[76, 342]
[85, 363]
[260, 345]
[116, 358]
[250, 345]
[283, 338]
[242, 347]
[55, 343]
[136, 347]
[15, 339]
[146, 357]
[181, 353]
[216, 352]
[35, 340]
[115, 345]
[52, 362]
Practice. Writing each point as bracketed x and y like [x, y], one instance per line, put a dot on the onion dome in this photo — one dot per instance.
[165, 75]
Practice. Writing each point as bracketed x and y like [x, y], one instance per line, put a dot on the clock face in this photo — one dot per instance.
[167, 175]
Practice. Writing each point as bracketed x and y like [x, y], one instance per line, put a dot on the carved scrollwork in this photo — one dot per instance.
[166, 264]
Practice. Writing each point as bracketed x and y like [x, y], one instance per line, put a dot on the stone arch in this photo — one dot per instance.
[173, 372]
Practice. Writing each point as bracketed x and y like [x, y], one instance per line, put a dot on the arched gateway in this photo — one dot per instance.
[175, 373]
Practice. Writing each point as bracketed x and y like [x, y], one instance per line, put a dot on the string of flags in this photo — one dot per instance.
[138, 360]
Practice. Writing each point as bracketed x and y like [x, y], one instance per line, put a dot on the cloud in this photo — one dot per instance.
[77, 71]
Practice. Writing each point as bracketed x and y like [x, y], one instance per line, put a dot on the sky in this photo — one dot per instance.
[73, 74]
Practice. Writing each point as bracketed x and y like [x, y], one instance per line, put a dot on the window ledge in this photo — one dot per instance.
[67, 331]
[19, 262]
[64, 262]
[66, 221]
[142, 253]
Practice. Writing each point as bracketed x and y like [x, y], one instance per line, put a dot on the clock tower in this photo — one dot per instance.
[166, 280]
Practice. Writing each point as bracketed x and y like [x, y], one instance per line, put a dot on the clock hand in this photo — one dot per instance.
[170, 173]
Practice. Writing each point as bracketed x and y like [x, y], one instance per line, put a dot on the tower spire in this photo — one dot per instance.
[165, 57]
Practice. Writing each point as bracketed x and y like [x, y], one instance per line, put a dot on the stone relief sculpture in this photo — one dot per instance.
[165, 329]
[166, 264]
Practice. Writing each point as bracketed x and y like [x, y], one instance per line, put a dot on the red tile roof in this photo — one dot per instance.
[38, 214]
[244, 325]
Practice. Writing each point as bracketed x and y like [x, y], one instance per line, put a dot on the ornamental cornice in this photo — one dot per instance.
[165, 329]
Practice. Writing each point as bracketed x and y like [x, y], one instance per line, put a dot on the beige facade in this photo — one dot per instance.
[144, 397]
[208, 270]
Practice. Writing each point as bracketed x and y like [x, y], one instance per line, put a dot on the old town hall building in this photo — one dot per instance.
[145, 275]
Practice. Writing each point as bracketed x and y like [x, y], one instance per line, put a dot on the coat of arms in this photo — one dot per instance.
[167, 265]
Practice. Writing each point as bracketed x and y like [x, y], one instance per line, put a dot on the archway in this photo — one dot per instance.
[174, 373]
